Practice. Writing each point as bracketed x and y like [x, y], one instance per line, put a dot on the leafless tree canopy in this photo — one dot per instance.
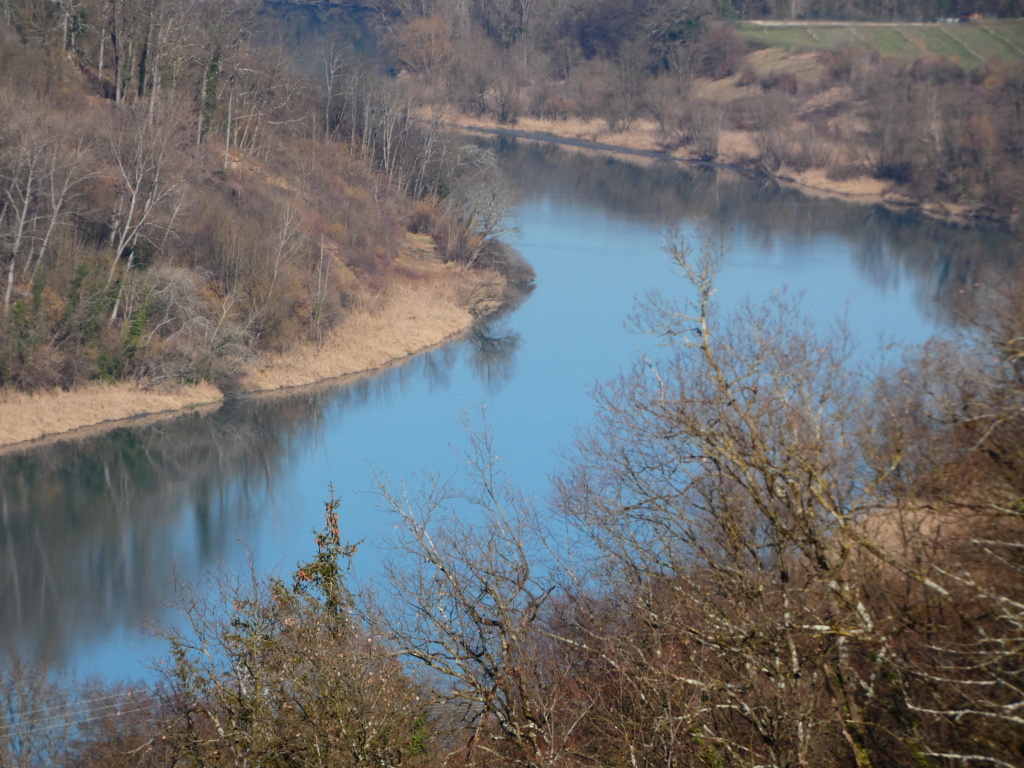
[676, 74]
[754, 556]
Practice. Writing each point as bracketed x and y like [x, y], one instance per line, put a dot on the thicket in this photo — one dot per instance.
[756, 555]
[174, 198]
[942, 133]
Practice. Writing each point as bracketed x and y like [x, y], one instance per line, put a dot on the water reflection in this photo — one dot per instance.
[87, 526]
[941, 258]
[494, 349]
[91, 531]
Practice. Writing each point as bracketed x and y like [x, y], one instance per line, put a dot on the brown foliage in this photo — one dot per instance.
[217, 204]
[424, 44]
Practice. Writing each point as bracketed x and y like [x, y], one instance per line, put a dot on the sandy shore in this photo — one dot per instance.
[410, 318]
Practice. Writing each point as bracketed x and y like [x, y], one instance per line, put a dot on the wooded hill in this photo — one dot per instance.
[175, 198]
[759, 554]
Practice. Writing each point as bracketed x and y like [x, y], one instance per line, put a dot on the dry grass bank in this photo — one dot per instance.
[735, 148]
[405, 320]
[429, 304]
[816, 182]
[25, 417]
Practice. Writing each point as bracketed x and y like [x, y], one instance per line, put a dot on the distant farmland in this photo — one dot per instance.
[969, 44]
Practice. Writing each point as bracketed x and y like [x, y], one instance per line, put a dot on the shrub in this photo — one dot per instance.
[785, 82]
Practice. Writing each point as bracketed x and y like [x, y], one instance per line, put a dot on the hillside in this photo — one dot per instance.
[180, 205]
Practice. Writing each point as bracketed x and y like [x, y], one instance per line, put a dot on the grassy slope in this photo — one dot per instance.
[969, 44]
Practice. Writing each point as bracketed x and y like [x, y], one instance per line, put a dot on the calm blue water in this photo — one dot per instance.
[92, 534]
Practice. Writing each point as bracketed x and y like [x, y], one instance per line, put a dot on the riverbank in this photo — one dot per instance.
[737, 150]
[430, 306]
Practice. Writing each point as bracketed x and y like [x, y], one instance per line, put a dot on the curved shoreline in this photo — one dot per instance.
[878, 193]
[29, 420]
[411, 320]
[145, 418]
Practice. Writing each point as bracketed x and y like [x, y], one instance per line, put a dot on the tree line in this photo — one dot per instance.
[756, 555]
[940, 131]
[177, 198]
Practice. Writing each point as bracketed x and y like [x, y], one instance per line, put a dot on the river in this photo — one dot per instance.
[94, 533]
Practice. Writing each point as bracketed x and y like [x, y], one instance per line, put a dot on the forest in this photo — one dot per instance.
[179, 198]
[180, 195]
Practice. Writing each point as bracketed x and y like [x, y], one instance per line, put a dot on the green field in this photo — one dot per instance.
[968, 44]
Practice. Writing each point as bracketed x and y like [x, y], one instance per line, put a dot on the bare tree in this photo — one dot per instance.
[146, 177]
[724, 485]
[959, 422]
[19, 215]
[479, 208]
[465, 601]
[334, 81]
[40, 172]
[270, 673]
[424, 44]
[37, 715]
[63, 177]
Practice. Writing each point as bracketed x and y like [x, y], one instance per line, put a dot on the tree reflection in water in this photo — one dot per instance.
[494, 342]
[939, 257]
[494, 348]
[92, 530]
